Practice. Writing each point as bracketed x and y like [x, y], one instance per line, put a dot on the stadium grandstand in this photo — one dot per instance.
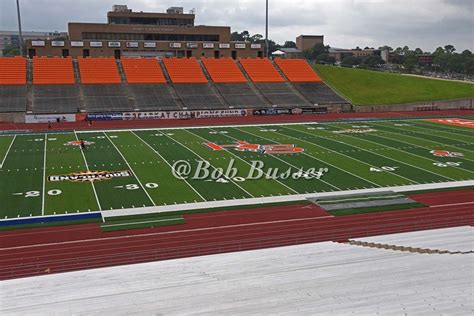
[61, 85]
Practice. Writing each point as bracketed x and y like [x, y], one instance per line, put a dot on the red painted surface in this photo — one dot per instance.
[226, 121]
[53, 250]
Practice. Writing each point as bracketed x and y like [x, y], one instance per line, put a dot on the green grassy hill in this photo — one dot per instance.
[365, 87]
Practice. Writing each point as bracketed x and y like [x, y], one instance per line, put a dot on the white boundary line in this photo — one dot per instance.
[134, 173]
[166, 161]
[146, 222]
[279, 199]
[43, 195]
[8, 151]
[87, 167]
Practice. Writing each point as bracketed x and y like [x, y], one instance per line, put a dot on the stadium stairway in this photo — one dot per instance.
[252, 86]
[213, 86]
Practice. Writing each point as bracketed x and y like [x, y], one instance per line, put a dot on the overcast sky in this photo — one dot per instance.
[345, 23]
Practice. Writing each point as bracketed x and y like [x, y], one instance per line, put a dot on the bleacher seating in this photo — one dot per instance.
[240, 95]
[198, 96]
[261, 70]
[106, 98]
[318, 93]
[184, 70]
[98, 71]
[12, 71]
[53, 71]
[281, 94]
[153, 97]
[297, 70]
[224, 71]
[13, 98]
[142, 70]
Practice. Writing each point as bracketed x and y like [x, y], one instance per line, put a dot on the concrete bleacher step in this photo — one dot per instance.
[170, 86]
[419, 250]
[213, 86]
[253, 86]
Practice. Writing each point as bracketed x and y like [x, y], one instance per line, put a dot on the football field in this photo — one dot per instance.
[47, 174]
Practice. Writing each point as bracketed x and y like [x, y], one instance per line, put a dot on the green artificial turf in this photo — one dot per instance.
[392, 153]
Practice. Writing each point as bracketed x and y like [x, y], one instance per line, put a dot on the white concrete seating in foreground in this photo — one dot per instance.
[305, 279]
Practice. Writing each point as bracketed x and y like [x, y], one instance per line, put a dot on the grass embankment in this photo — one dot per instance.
[365, 87]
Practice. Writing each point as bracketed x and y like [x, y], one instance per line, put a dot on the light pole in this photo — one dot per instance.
[19, 25]
[267, 49]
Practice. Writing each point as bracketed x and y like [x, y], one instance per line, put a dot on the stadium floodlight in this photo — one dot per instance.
[19, 25]
[267, 49]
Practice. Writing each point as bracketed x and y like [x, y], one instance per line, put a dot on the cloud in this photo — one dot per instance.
[345, 23]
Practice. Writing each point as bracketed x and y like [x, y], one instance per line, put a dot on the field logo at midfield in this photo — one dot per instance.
[78, 143]
[271, 149]
[90, 176]
[356, 131]
[445, 153]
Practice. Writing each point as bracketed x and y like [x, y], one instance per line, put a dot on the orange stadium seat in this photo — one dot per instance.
[183, 70]
[261, 70]
[142, 70]
[224, 71]
[102, 70]
[12, 71]
[297, 70]
[53, 70]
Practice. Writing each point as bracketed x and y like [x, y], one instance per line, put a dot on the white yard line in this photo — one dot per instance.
[222, 174]
[43, 195]
[405, 152]
[385, 157]
[8, 151]
[432, 141]
[321, 160]
[134, 173]
[287, 163]
[87, 167]
[166, 161]
[246, 162]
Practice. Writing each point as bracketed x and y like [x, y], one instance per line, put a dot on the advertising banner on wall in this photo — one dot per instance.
[192, 45]
[132, 44]
[149, 45]
[114, 44]
[49, 118]
[178, 115]
[255, 46]
[207, 45]
[57, 43]
[104, 116]
[175, 45]
[95, 44]
[77, 44]
[240, 46]
[224, 45]
[38, 43]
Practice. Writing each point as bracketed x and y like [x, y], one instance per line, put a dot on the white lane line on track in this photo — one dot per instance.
[8, 151]
[170, 232]
[455, 204]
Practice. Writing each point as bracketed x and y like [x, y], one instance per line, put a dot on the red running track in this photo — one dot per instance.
[225, 121]
[216, 233]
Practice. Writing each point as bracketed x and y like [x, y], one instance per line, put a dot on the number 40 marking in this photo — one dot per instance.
[383, 169]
